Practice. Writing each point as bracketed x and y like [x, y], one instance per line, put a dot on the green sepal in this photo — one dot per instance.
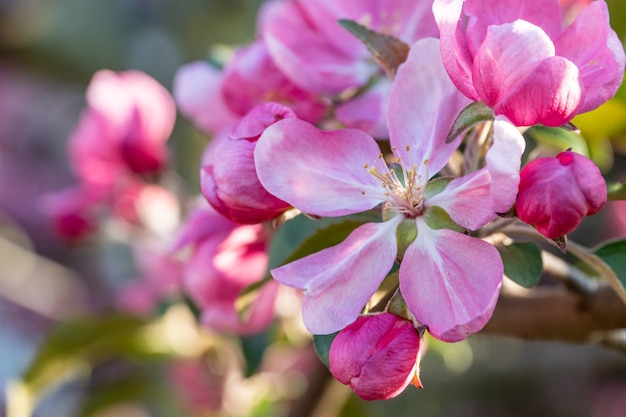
[470, 116]
[406, 233]
[437, 218]
[436, 186]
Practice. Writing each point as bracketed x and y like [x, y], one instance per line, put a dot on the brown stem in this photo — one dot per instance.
[554, 313]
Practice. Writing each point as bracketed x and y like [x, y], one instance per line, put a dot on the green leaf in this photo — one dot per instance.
[253, 347]
[522, 263]
[469, 117]
[614, 255]
[616, 190]
[322, 346]
[388, 51]
[558, 138]
[302, 236]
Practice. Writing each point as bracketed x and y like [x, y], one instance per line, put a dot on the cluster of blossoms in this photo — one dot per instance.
[313, 118]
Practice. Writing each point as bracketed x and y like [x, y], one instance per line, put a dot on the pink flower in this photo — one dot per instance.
[310, 47]
[555, 194]
[226, 258]
[229, 180]
[518, 59]
[314, 51]
[322, 173]
[72, 212]
[377, 356]
[124, 129]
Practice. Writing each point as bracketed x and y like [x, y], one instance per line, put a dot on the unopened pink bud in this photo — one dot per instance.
[377, 356]
[555, 194]
[229, 180]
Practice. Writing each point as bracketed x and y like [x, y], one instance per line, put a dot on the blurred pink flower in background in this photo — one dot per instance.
[517, 57]
[124, 129]
[225, 258]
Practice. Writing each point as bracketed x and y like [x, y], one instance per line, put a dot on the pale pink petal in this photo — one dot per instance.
[481, 14]
[591, 44]
[197, 91]
[339, 280]
[367, 111]
[316, 171]
[503, 162]
[423, 105]
[550, 95]
[467, 200]
[450, 282]
[308, 59]
[509, 54]
[455, 53]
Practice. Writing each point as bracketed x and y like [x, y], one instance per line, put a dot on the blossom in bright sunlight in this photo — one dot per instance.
[336, 173]
[517, 57]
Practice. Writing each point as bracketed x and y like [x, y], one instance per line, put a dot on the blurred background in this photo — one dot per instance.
[49, 50]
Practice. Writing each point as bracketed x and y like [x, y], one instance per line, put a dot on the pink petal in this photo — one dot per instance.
[197, 91]
[368, 111]
[339, 280]
[318, 172]
[307, 58]
[551, 95]
[591, 44]
[467, 200]
[481, 14]
[503, 162]
[509, 54]
[423, 108]
[450, 282]
[455, 53]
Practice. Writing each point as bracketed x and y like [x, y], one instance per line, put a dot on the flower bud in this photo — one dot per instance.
[229, 180]
[377, 356]
[555, 194]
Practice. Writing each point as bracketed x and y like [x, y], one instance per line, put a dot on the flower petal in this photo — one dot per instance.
[423, 108]
[509, 54]
[467, 200]
[339, 280]
[503, 162]
[450, 282]
[316, 171]
[551, 95]
[455, 54]
[591, 44]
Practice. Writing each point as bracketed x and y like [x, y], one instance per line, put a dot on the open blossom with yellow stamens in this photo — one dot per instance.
[450, 281]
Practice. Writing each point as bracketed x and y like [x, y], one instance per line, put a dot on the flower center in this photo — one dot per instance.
[404, 188]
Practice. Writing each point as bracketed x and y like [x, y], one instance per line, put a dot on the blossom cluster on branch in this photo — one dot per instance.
[403, 119]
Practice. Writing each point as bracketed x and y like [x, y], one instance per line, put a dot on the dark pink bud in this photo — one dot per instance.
[377, 356]
[555, 194]
[229, 180]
